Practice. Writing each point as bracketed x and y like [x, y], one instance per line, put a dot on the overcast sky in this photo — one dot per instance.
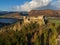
[27, 5]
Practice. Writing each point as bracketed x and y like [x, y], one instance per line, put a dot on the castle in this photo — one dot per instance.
[40, 19]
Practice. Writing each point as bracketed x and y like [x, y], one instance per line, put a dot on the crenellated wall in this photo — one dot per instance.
[38, 19]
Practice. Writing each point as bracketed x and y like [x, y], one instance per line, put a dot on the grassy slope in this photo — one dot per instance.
[53, 20]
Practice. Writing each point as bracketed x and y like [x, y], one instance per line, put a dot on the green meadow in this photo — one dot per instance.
[57, 21]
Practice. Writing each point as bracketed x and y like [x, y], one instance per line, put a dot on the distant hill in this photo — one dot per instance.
[5, 12]
[50, 13]
[47, 12]
[58, 12]
[16, 15]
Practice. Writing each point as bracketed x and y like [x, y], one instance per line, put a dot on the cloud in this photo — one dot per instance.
[32, 5]
[56, 4]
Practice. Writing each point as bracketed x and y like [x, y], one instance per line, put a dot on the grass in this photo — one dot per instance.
[32, 33]
[57, 21]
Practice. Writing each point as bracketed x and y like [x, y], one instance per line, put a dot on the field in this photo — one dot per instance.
[53, 20]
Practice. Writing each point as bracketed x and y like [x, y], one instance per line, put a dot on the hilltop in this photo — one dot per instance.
[47, 12]
[50, 13]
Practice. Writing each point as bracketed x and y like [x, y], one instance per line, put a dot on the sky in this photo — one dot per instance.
[28, 5]
[8, 4]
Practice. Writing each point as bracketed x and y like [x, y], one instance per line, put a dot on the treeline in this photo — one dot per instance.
[31, 34]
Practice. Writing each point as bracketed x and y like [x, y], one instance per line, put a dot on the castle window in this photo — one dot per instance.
[36, 16]
[28, 19]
